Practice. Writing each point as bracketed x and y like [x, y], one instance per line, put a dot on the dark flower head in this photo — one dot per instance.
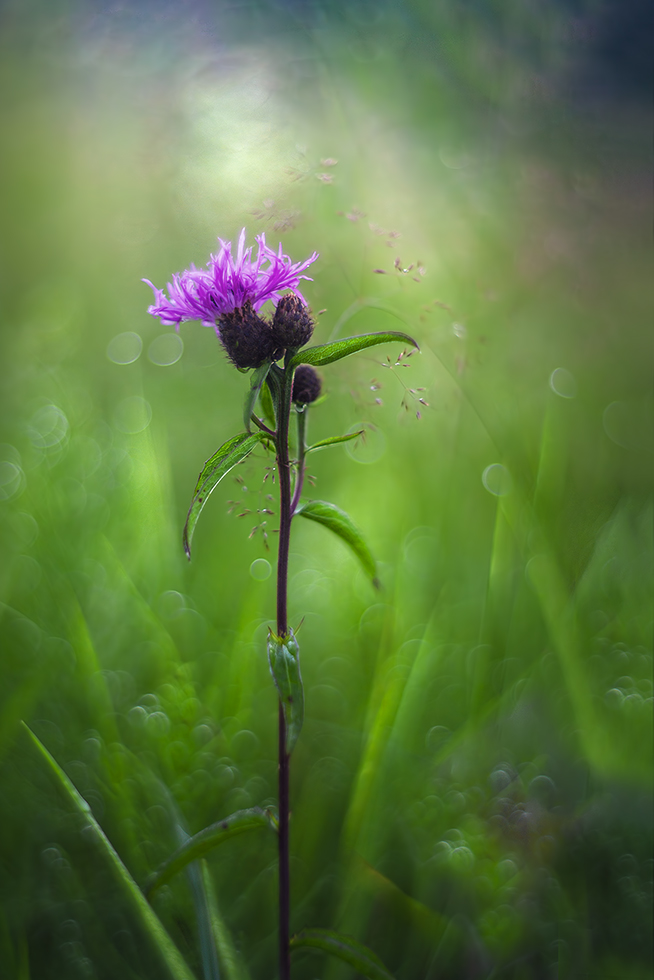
[306, 385]
[230, 284]
[246, 337]
[292, 325]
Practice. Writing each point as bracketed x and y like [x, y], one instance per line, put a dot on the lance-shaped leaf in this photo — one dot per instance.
[334, 441]
[139, 912]
[284, 661]
[345, 948]
[223, 460]
[341, 524]
[326, 353]
[204, 841]
[256, 381]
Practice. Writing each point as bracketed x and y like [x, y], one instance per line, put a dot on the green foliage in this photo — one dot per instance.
[201, 843]
[230, 454]
[334, 441]
[328, 353]
[344, 948]
[342, 525]
[268, 406]
[171, 962]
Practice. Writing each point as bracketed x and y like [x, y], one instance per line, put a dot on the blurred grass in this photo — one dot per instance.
[472, 789]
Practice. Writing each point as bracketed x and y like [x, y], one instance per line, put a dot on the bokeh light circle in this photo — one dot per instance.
[370, 445]
[260, 569]
[125, 348]
[11, 479]
[563, 383]
[132, 415]
[166, 349]
[497, 480]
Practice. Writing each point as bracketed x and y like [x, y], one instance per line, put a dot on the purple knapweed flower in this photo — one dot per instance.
[228, 294]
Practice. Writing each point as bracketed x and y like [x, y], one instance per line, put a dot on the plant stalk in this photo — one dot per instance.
[284, 473]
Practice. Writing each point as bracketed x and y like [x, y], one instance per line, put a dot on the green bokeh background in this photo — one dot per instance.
[471, 793]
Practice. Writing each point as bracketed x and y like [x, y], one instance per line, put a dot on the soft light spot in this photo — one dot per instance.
[496, 479]
[629, 425]
[563, 383]
[260, 569]
[11, 479]
[166, 349]
[48, 427]
[158, 724]
[369, 447]
[455, 157]
[170, 604]
[125, 348]
[132, 415]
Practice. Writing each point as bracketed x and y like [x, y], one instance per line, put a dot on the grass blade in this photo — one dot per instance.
[204, 841]
[176, 968]
[230, 959]
[345, 948]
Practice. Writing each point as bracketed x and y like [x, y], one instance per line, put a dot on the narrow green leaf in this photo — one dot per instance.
[284, 661]
[337, 521]
[176, 968]
[334, 441]
[203, 919]
[268, 406]
[326, 353]
[203, 842]
[231, 959]
[345, 948]
[258, 377]
[223, 460]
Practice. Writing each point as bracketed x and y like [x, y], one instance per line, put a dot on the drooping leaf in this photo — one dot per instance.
[334, 441]
[256, 381]
[345, 948]
[204, 841]
[327, 353]
[140, 910]
[223, 460]
[341, 524]
[284, 661]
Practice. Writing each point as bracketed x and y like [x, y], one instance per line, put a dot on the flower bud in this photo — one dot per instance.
[246, 337]
[306, 385]
[292, 325]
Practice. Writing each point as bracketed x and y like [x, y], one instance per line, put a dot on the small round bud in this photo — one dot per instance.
[306, 385]
[292, 325]
[246, 337]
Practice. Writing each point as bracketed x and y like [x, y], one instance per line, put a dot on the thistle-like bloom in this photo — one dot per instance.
[229, 283]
